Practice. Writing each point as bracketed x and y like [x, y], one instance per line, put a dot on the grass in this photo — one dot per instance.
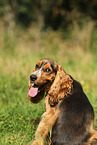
[18, 55]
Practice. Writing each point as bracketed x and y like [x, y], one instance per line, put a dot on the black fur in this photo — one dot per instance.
[75, 118]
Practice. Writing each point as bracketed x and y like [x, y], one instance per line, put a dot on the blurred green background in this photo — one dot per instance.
[30, 30]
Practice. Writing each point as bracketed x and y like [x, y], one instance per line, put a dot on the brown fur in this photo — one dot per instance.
[59, 87]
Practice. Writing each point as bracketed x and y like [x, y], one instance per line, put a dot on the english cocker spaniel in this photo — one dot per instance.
[68, 110]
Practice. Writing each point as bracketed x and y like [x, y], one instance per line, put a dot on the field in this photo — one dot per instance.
[19, 52]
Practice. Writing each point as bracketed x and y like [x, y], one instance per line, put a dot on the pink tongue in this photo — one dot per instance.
[33, 92]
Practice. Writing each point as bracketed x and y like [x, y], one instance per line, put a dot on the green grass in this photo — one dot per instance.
[18, 55]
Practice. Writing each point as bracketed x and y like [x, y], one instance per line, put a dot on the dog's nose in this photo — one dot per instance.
[33, 77]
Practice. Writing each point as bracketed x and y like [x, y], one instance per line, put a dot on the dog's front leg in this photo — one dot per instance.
[48, 120]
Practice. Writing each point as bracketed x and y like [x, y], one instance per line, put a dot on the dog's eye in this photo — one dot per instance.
[47, 70]
[37, 66]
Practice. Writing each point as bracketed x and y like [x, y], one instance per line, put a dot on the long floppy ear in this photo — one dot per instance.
[61, 86]
[38, 97]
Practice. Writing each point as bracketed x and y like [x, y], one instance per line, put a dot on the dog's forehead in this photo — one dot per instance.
[51, 62]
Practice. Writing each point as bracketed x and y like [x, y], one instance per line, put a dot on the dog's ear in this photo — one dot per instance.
[38, 97]
[61, 86]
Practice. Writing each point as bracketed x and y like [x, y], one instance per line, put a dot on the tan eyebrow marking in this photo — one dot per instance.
[47, 66]
[39, 63]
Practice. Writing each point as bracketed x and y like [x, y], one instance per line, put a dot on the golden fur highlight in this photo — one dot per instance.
[61, 86]
[48, 120]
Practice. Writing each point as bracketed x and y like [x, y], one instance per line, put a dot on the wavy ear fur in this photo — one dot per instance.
[61, 86]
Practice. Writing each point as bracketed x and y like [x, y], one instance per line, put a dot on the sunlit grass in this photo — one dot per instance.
[18, 56]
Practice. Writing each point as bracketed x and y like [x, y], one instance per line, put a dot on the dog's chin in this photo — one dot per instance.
[36, 92]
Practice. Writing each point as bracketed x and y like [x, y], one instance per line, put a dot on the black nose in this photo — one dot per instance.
[33, 77]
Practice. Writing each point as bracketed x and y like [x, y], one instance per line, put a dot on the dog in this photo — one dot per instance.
[68, 113]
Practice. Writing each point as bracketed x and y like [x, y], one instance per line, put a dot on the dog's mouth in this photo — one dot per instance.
[35, 89]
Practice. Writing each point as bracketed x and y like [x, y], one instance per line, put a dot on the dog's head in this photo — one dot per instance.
[41, 79]
[48, 77]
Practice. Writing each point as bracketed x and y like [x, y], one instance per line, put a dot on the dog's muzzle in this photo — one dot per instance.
[36, 74]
